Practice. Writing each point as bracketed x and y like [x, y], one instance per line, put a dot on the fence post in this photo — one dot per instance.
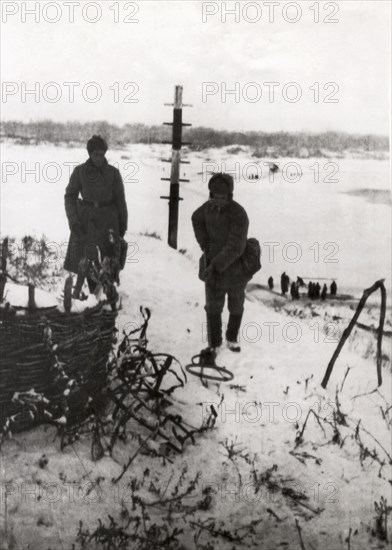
[3, 276]
[175, 179]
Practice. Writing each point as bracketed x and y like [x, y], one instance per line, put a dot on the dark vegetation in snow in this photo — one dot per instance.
[264, 143]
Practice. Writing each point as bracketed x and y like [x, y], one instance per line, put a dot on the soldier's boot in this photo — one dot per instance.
[92, 285]
[214, 330]
[82, 273]
[67, 300]
[233, 327]
[214, 334]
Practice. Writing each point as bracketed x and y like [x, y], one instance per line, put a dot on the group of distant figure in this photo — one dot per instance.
[272, 168]
[314, 289]
[315, 292]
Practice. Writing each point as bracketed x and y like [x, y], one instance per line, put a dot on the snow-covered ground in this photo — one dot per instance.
[277, 380]
[276, 377]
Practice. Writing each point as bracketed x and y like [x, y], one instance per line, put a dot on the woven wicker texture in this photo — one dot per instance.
[81, 344]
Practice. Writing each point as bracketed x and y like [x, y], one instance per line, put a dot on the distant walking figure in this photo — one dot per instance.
[270, 283]
[334, 288]
[324, 292]
[294, 291]
[284, 283]
[310, 290]
[317, 289]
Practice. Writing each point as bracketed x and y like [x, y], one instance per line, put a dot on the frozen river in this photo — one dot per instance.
[316, 218]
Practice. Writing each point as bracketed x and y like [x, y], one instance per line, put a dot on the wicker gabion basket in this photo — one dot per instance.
[57, 358]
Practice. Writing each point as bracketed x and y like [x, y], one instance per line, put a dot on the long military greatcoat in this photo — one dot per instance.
[95, 198]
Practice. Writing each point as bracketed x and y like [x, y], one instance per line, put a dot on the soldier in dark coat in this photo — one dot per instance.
[284, 283]
[221, 229]
[293, 291]
[334, 288]
[324, 292]
[270, 283]
[95, 207]
[317, 289]
[297, 296]
[310, 290]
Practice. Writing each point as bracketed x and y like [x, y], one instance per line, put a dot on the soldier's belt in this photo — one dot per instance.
[98, 204]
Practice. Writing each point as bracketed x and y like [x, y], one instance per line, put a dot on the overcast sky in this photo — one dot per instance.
[170, 44]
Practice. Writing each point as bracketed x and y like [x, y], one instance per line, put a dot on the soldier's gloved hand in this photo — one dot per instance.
[77, 229]
[210, 274]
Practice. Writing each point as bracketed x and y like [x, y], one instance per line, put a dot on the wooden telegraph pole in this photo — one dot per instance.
[175, 179]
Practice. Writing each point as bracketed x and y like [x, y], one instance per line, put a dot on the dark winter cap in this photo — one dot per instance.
[221, 184]
[96, 143]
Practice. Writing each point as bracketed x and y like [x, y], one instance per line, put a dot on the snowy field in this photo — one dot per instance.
[341, 470]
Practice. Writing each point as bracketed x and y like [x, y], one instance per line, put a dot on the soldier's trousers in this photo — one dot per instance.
[215, 301]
